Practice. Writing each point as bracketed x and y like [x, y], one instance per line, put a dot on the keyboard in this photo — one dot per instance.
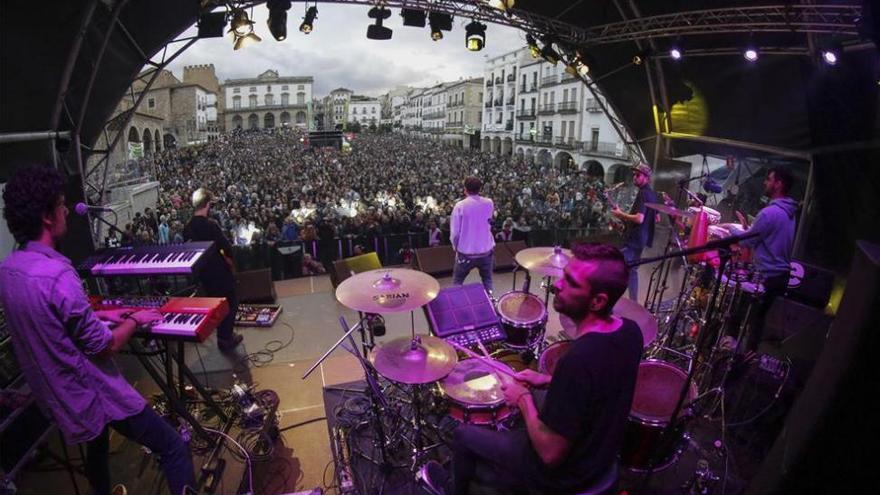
[170, 259]
[185, 318]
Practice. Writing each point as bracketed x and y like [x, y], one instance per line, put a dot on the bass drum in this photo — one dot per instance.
[658, 387]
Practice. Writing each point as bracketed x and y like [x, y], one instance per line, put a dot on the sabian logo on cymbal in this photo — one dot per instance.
[393, 299]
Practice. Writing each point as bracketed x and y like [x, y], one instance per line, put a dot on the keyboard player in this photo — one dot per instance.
[64, 348]
[217, 275]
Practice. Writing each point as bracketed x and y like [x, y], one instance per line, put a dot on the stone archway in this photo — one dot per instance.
[237, 122]
[507, 146]
[564, 162]
[300, 117]
[520, 155]
[253, 121]
[268, 121]
[169, 141]
[148, 142]
[496, 145]
[157, 142]
[544, 157]
[134, 136]
[285, 119]
[485, 145]
[530, 156]
[594, 169]
[618, 172]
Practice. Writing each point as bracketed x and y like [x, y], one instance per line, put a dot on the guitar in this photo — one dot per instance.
[614, 224]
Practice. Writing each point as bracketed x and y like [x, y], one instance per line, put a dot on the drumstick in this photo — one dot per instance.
[491, 362]
[483, 349]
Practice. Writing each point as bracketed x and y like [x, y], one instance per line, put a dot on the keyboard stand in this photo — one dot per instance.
[174, 352]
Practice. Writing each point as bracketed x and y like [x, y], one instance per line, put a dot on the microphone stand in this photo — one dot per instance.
[108, 224]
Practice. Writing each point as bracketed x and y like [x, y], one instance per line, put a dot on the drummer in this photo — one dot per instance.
[573, 440]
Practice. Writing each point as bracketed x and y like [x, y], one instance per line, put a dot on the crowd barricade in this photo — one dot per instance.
[285, 258]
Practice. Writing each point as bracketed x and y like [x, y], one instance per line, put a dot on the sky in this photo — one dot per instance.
[338, 53]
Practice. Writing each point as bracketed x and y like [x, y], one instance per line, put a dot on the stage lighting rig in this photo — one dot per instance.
[242, 28]
[675, 53]
[548, 53]
[475, 36]
[377, 31]
[413, 17]
[439, 22]
[533, 46]
[278, 18]
[750, 54]
[308, 22]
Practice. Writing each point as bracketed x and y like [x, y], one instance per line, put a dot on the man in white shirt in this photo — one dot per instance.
[471, 234]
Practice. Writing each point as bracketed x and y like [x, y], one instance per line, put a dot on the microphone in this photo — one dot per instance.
[710, 186]
[682, 182]
[83, 209]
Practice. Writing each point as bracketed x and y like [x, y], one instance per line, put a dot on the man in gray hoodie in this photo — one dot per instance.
[774, 226]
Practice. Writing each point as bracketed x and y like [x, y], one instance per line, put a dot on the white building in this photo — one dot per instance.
[556, 119]
[434, 111]
[412, 110]
[268, 101]
[364, 110]
[336, 106]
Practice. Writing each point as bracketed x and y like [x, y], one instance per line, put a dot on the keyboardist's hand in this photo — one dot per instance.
[146, 317]
[112, 315]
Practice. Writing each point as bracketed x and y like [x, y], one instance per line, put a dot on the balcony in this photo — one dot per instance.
[488, 104]
[525, 114]
[564, 142]
[547, 109]
[489, 83]
[567, 107]
[544, 140]
[499, 102]
[510, 102]
[508, 126]
[525, 138]
[529, 88]
[549, 80]
[511, 77]
[603, 148]
[456, 104]
[593, 106]
[498, 80]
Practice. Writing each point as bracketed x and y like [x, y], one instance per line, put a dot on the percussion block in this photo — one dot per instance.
[356, 264]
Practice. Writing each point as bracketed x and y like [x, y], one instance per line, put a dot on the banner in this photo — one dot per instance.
[135, 151]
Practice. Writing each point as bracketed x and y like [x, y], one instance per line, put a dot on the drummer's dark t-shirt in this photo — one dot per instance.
[588, 402]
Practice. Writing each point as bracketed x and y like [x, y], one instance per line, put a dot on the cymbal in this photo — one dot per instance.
[669, 210]
[545, 261]
[425, 360]
[387, 290]
[625, 308]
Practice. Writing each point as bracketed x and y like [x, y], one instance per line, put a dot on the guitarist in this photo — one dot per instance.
[640, 224]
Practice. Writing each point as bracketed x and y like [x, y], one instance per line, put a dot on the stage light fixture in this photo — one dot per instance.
[241, 25]
[377, 31]
[308, 22]
[278, 18]
[413, 17]
[212, 24]
[533, 46]
[243, 41]
[578, 65]
[439, 22]
[475, 36]
[750, 54]
[548, 53]
[829, 57]
[675, 53]
[502, 5]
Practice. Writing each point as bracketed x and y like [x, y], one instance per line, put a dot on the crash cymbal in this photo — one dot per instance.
[423, 360]
[625, 308]
[387, 290]
[669, 210]
[544, 261]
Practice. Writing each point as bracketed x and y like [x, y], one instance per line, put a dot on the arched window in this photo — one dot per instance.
[268, 121]
[300, 98]
[237, 122]
[300, 117]
[253, 121]
[269, 99]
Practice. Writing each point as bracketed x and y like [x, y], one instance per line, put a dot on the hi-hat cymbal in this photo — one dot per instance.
[425, 360]
[669, 210]
[625, 308]
[544, 261]
[387, 290]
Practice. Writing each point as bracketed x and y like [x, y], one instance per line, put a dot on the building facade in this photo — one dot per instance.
[464, 114]
[364, 110]
[541, 114]
[336, 107]
[268, 101]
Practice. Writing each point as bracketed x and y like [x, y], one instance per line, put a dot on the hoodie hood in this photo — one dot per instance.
[787, 204]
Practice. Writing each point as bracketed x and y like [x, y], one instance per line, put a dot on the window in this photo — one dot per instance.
[284, 88]
[269, 99]
[252, 100]
[300, 87]
[236, 90]
[151, 103]
[300, 98]
[236, 102]
[253, 89]
[374, 110]
[285, 99]
[269, 88]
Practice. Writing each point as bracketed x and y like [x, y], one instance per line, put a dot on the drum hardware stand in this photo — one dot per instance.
[655, 290]
[722, 245]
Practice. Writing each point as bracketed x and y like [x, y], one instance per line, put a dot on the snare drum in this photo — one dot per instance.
[551, 356]
[473, 393]
[658, 387]
[524, 317]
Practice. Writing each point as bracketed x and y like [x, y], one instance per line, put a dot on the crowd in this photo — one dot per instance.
[270, 186]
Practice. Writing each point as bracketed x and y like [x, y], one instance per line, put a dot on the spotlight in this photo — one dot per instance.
[413, 17]
[829, 57]
[502, 5]
[243, 41]
[675, 53]
[439, 23]
[475, 36]
[309, 20]
[639, 58]
[750, 54]
[241, 25]
[278, 18]
[579, 65]
[548, 53]
[533, 46]
[377, 31]
[212, 24]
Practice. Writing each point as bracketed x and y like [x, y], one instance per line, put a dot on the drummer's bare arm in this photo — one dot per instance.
[550, 446]
[533, 378]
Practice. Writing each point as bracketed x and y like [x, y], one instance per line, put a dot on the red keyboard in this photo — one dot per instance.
[186, 318]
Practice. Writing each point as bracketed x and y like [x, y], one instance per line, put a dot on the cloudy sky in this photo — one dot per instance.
[338, 53]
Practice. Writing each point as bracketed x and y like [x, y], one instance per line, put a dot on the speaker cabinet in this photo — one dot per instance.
[437, 260]
[255, 286]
